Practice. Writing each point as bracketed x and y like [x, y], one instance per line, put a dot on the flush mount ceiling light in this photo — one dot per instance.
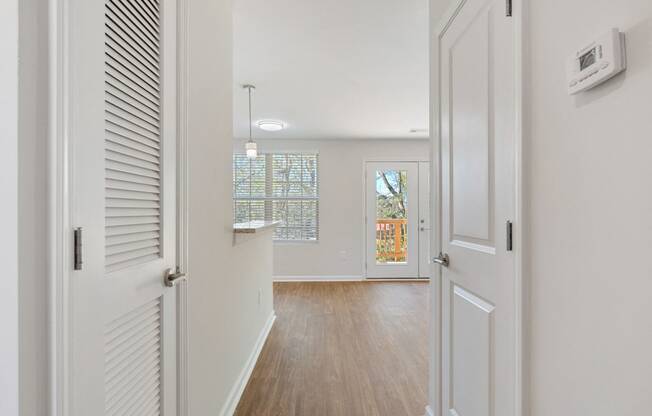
[271, 125]
[250, 147]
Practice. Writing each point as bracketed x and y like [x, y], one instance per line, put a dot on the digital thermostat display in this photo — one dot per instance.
[596, 62]
[587, 59]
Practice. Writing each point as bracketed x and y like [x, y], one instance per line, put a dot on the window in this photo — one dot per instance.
[279, 187]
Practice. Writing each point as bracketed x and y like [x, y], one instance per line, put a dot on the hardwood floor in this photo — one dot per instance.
[343, 349]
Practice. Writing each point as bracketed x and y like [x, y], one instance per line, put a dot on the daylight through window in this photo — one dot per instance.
[279, 187]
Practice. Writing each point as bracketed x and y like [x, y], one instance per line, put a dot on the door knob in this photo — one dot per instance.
[172, 279]
[442, 260]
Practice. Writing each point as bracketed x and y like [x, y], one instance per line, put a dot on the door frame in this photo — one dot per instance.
[416, 159]
[59, 240]
[519, 13]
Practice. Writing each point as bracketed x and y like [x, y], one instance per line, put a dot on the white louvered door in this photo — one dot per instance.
[122, 128]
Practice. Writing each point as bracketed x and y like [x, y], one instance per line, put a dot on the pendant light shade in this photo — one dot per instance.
[251, 147]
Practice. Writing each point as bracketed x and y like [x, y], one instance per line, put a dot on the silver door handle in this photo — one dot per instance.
[442, 259]
[172, 279]
[424, 229]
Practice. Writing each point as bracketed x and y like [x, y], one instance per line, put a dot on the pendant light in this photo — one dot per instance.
[250, 147]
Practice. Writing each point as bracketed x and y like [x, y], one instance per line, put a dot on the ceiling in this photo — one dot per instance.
[333, 69]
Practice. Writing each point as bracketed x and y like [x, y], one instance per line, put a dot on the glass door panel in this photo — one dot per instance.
[392, 220]
[391, 216]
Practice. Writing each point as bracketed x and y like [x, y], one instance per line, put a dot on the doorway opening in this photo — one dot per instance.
[397, 225]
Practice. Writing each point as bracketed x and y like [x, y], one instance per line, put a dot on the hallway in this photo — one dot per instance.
[349, 349]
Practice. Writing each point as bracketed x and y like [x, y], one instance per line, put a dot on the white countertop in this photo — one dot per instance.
[252, 227]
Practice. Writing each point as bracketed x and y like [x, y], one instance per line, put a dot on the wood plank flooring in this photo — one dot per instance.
[343, 349]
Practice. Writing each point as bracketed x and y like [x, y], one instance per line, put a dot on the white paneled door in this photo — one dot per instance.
[397, 220]
[121, 84]
[477, 119]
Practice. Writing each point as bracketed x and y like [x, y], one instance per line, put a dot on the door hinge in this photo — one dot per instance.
[508, 8]
[77, 249]
[510, 237]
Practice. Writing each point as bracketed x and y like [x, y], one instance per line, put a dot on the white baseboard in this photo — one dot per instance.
[318, 278]
[238, 388]
[429, 411]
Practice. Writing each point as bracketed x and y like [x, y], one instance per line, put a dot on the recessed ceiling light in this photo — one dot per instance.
[271, 125]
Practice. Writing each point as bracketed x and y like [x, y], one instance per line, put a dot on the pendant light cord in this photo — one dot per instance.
[250, 134]
[251, 162]
[250, 87]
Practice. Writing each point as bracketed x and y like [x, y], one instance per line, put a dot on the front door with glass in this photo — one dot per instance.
[392, 220]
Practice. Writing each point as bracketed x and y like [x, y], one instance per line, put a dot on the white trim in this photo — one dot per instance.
[322, 278]
[365, 162]
[59, 240]
[519, 221]
[182, 205]
[238, 388]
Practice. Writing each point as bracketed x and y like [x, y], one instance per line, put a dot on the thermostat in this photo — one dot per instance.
[597, 62]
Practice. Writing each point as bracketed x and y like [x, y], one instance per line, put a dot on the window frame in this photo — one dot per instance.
[266, 195]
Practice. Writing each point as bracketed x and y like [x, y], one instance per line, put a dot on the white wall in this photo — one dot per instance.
[589, 169]
[9, 398]
[32, 203]
[23, 288]
[340, 250]
[225, 319]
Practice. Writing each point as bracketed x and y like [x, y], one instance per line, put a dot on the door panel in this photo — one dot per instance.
[472, 338]
[122, 131]
[392, 220]
[471, 193]
[477, 182]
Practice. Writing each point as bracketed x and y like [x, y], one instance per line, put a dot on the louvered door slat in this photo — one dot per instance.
[132, 376]
[122, 372]
[117, 25]
[134, 101]
[137, 10]
[121, 203]
[130, 195]
[126, 36]
[134, 170]
[145, 11]
[118, 80]
[133, 120]
[133, 133]
[130, 238]
[145, 350]
[117, 63]
[134, 142]
[153, 6]
[120, 98]
[133, 178]
[133, 51]
[132, 153]
[121, 127]
[128, 17]
[138, 379]
[134, 14]
[131, 229]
